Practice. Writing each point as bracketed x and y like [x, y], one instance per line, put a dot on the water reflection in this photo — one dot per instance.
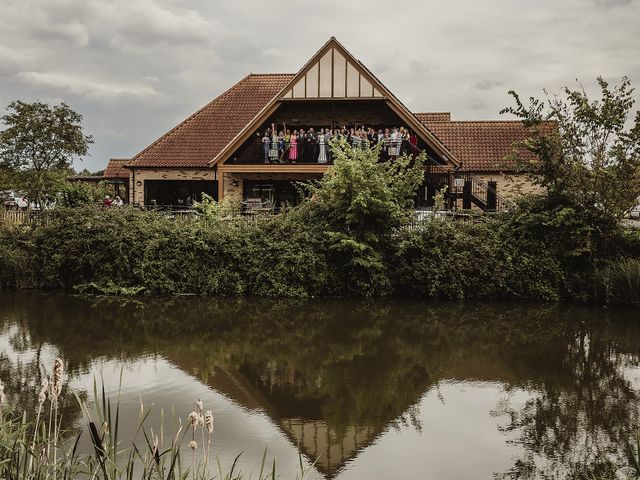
[542, 390]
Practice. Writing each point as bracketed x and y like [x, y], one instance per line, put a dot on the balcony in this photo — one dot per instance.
[260, 152]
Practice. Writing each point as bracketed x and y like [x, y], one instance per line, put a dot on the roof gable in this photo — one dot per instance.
[311, 72]
[332, 73]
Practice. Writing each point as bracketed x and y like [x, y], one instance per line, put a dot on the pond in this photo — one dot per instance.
[365, 389]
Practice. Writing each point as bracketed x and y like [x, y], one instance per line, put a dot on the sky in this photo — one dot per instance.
[136, 68]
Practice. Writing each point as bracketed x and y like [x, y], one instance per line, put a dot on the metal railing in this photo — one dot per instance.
[255, 153]
[482, 194]
[489, 195]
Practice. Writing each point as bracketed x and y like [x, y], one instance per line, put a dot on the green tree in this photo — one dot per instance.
[586, 153]
[39, 145]
[359, 203]
[78, 194]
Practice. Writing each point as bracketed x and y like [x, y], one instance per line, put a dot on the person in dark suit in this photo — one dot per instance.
[312, 141]
[302, 146]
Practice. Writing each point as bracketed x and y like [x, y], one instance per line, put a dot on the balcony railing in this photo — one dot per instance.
[310, 153]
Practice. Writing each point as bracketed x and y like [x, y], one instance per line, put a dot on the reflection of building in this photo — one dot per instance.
[329, 447]
[219, 150]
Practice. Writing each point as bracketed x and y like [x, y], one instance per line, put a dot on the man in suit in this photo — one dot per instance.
[302, 146]
[312, 140]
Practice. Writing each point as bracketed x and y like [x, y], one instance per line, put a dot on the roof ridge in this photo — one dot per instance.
[478, 121]
[186, 120]
[270, 74]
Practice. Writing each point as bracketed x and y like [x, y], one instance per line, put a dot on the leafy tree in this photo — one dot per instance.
[78, 194]
[39, 145]
[591, 161]
[359, 203]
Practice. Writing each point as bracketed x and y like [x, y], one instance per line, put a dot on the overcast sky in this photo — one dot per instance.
[135, 68]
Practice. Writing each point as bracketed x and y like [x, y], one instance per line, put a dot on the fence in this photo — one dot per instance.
[415, 221]
[18, 217]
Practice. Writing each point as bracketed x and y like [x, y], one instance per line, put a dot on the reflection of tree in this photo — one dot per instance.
[357, 368]
[578, 426]
[23, 376]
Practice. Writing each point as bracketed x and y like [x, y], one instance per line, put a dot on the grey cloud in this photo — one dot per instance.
[134, 68]
[487, 84]
[613, 3]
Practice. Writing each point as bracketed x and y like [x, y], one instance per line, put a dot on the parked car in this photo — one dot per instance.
[635, 211]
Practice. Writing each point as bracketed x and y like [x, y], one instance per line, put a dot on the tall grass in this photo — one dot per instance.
[618, 282]
[38, 448]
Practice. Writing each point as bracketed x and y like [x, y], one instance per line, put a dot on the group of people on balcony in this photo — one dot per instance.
[312, 146]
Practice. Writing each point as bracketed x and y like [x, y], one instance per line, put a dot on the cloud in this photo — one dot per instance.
[140, 66]
[85, 87]
[486, 84]
[141, 23]
[613, 3]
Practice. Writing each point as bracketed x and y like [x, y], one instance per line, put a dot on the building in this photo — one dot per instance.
[117, 175]
[219, 151]
[115, 178]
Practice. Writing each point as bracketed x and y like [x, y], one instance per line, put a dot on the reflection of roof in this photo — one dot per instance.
[197, 140]
[479, 145]
[116, 168]
[319, 442]
[324, 446]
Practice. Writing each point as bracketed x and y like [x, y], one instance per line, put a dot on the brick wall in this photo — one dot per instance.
[509, 185]
[138, 177]
[232, 186]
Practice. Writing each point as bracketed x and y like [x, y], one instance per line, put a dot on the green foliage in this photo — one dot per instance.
[80, 194]
[447, 259]
[39, 145]
[340, 241]
[363, 197]
[358, 205]
[584, 155]
[617, 281]
[212, 209]
[16, 264]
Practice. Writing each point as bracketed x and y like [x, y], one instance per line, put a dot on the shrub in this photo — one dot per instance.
[16, 268]
[453, 260]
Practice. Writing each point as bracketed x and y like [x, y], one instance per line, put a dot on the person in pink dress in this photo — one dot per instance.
[293, 147]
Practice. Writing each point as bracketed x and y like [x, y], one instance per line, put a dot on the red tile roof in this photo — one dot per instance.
[197, 140]
[478, 145]
[116, 168]
[481, 146]
[433, 117]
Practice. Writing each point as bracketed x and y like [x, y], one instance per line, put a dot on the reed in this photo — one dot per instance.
[39, 449]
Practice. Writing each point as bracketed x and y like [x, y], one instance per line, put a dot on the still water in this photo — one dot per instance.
[366, 390]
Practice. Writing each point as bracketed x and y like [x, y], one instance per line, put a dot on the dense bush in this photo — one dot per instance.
[123, 251]
[349, 237]
[126, 250]
[16, 266]
[454, 260]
